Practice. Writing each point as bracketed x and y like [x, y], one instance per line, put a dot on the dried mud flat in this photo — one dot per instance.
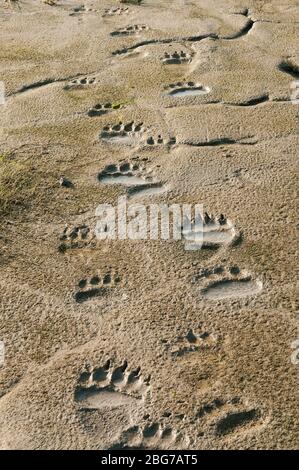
[149, 344]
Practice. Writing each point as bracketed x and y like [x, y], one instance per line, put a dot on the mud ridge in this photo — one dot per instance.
[289, 67]
[245, 30]
[221, 141]
[164, 41]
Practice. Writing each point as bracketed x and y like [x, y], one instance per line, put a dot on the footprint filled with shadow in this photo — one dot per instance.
[76, 236]
[237, 421]
[134, 29]
[97, 286]
[229, 416]
[100, 109]
[80, 83]
[176, 58]
[77, 11]
[116, 11]
[159, 140]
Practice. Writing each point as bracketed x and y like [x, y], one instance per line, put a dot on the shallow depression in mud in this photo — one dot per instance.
[212, 237]
[181, 92]
[104, 399]
[232, 288]
[125, 180]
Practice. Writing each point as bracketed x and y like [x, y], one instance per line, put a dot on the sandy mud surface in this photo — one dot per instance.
[187, 343]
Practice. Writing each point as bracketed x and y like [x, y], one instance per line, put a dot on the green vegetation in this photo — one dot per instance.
[120, 104]
[17, 184]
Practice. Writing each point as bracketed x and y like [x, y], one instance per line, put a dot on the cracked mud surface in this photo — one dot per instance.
[151, 344]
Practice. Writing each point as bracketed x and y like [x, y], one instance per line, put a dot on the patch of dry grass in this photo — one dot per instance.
[18, 184]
